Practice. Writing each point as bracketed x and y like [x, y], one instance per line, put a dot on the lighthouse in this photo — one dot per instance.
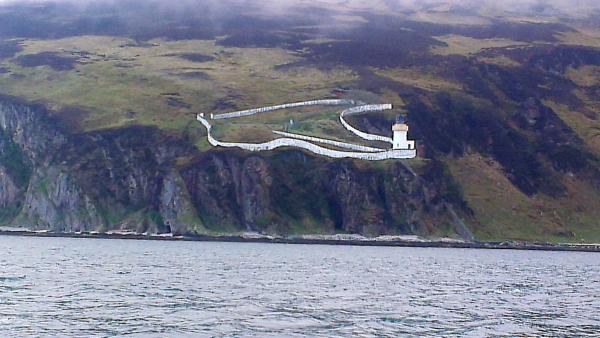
[400, 141]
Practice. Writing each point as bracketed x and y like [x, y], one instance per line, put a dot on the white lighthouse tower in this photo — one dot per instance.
[400, 141]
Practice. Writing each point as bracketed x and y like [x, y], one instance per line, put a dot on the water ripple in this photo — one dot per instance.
[68, 287]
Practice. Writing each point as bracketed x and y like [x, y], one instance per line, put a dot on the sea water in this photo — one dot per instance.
[63, 287]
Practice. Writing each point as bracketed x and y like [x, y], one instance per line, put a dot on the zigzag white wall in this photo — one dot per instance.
[364, 109]
[338, 144]
[249, 112]
[289, 142]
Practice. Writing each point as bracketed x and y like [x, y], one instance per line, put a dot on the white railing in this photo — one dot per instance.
[248, 112]
[364, 109]
[290, 142]
[330, 142]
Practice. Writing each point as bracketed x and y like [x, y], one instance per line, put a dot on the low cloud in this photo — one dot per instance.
[556, 8]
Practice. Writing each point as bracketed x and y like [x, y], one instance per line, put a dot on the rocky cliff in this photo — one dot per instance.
[144, 180]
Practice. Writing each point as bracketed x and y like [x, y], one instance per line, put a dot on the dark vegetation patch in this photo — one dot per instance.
[556, 140]
[53, 60]
[374, 44]
[454, 124]
[195, 57]
[386, 41]
[174, 32]
[292, 66]
[176, 102]
[225, 104]
[521, 84]
[515, 83]
[557, 59]
[541, 78]
[263, 39]
[145, 20]
[4, 70]
[533, 145]
[141, 20]
[57, 20]
[591, 21]
[198, 75]
[529, 139]
[553, 59]
[27, 21]
[373, 124]
[123, 65]
[286, 31]
[8, 49]
[383, 41]
[371, 82]
[518, 31]
[438, 174]
[72, 117]
[296, 19]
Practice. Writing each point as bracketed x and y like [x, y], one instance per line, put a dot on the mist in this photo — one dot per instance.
[208, 19]
[571, 8]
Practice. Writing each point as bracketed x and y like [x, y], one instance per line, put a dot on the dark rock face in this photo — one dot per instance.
[282, 191]
[10, 195]
[14, 174]
[128, 179]
[86, 182]
[56, 202]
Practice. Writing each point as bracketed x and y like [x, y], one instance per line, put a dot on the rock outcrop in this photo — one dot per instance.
[134, 179]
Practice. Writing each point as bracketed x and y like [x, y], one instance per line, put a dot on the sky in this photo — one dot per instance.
[490, 7]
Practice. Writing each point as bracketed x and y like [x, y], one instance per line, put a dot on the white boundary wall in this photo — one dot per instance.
[289, 142]
[364, 109]
[330, 142]
[241, 113]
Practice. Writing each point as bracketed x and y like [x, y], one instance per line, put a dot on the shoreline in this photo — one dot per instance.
[313, 241]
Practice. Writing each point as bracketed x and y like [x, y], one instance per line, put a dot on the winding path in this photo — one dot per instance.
[302, 141]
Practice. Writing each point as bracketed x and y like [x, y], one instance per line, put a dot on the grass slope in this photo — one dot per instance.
[117, 82]
[507, 213]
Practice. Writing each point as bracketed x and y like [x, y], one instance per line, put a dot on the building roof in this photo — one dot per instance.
[400, 127]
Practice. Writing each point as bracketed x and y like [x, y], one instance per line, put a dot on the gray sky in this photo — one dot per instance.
[546, 7]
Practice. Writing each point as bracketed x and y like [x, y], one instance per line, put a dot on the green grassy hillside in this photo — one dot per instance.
[503, 106]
